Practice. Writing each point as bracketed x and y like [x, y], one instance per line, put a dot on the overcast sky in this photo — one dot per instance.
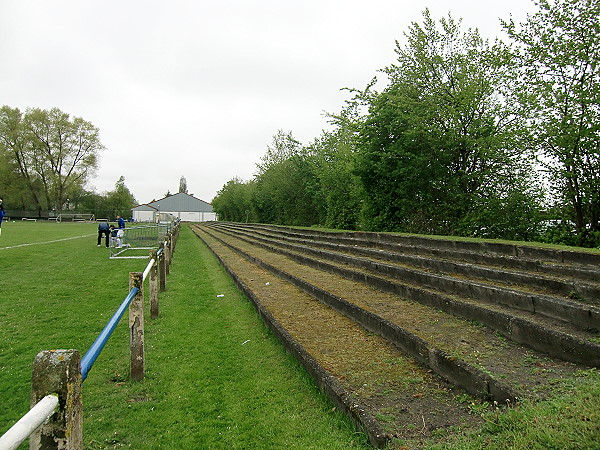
[198, 88]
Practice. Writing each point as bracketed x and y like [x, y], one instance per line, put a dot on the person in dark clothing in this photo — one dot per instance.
[1, 214]
[121, 222]
[103, 229]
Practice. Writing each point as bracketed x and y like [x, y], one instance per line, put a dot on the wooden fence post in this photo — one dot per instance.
[136, 327]
[162, 269]
[153, 282]
[58, 372]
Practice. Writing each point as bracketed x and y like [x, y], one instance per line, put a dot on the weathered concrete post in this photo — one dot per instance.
[168, 252]
[175, 236]
[59, 372]
[153, 282]
[162, 269]
[136, 327]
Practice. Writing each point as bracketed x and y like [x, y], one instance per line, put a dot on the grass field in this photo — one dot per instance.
[215, 376]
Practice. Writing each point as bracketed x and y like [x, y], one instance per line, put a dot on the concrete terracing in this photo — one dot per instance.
[546, 299]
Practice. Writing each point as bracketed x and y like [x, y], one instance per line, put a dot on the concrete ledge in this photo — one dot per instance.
[536, 274]
[470, 378]
[561, 345]
[587, 317]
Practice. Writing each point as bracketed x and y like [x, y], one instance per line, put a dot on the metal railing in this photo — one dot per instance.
[44, 409]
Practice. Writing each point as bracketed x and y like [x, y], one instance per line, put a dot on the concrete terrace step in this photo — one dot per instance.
[534, 277]
[580, 314]
[463, 352]
[557, 339]
[579, 265]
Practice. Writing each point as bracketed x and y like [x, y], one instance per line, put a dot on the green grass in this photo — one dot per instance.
[215, 376]
[570, 421]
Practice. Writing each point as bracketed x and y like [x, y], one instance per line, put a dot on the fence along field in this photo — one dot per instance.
[58, 375]
[64, 292]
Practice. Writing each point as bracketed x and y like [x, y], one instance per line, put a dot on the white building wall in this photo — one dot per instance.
[143, 216]
[194, 216]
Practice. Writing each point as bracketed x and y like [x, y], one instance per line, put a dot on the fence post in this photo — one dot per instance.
[153, 282]
[136, 327]
[59, 372]
[175, 236]
[168, 252]
[162, 269]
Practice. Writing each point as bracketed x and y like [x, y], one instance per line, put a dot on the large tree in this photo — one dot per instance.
[64, 151]
[284, 189]
[440, 138]
[233, 202]
[559, 55]
[18, 152]
[53, 153]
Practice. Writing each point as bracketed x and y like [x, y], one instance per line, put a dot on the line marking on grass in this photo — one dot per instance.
[48, 242]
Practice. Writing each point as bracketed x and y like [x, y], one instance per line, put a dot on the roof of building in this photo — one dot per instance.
[143, 207]
[179, 202]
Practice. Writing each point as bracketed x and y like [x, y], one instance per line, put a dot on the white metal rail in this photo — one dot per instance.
[29, 423]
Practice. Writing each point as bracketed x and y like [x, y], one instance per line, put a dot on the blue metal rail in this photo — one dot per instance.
[92, 354]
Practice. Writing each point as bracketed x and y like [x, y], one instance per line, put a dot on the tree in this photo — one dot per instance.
[233, 202]
[120, 200]
[338, 196]
[283, 146]
[559, 55]
[65, 151]
[52, 152]
[442, 133]
[286, 184]
[183, 185]
[18, 151]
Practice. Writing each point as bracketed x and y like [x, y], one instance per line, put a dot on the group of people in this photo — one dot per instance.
[109, 231]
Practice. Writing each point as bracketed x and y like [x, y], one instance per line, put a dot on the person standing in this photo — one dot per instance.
[1, 214]
[103, 229]
[120, 222]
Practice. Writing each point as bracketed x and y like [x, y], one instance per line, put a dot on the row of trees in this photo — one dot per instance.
[468, 138]
[46, 159]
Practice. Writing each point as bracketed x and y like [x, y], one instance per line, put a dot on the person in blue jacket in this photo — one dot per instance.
[1, 214]
[103, 229]
[120, 222]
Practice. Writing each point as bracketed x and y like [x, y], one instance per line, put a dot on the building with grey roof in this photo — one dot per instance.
[182, 206]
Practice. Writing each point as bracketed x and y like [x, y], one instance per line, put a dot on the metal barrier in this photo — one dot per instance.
[29, 423]
[92, 354]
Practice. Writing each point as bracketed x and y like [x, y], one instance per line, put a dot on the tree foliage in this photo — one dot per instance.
[559, 56]
[451, 143]
[183, 185]
[441, 136]
[52, 153]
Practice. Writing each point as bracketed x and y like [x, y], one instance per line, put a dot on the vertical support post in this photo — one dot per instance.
[136, 327]
[153, 282]
[59, 372]
[162, 269]
[175, 236]
[168, 252]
